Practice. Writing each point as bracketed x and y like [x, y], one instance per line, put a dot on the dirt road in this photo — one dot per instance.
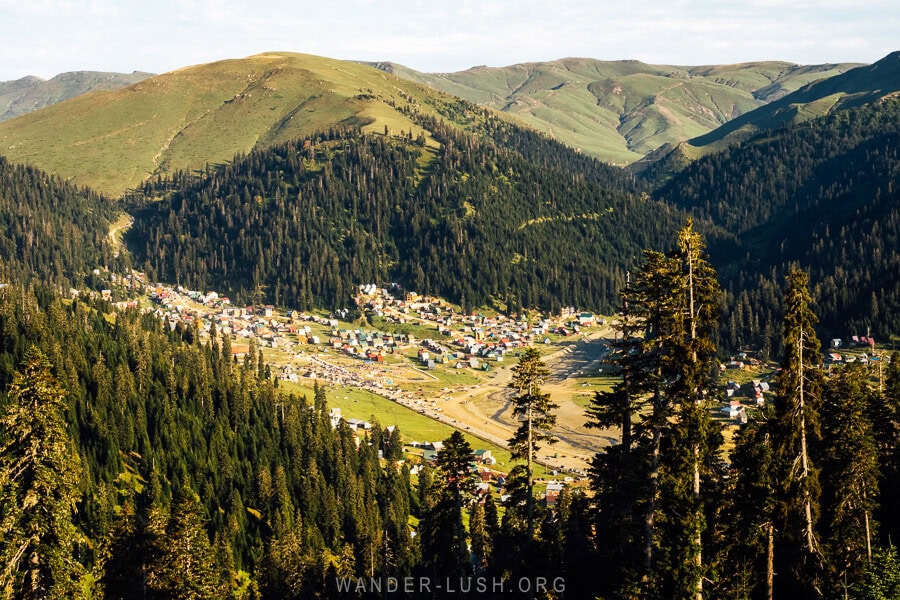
[486, 409]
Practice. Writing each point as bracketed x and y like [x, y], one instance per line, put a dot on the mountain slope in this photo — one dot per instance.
[856, 87]
[50, 231]
[204, 114]
[512, 221]
[824, 194]
[27, 94]
[621, 110]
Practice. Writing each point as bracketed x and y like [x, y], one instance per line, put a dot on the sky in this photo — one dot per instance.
[46, 37]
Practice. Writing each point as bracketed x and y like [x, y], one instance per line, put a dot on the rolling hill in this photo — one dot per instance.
[853, 88]
[205, 114]
[619, 111]
[27, 94]
[856, 87]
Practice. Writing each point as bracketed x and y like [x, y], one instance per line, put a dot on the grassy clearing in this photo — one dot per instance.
[419, 330]
[360, 404]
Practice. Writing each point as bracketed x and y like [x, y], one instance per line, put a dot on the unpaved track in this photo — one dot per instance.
[487, 411]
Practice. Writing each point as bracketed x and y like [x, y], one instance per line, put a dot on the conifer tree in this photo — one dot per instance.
[850, 476]
[122, 557]
[443, 535]
[40, 471]
[748, 518]
[796, 428]
[690, 365]
[619, 472]
[881, 580]
[666, 356]
[481, 541]
[534, 408]
[657, 308]
[185, 566]
[885, 419]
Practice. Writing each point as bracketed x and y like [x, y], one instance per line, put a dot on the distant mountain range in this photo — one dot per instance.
[620, 111]
[623, 112]
[27, 94]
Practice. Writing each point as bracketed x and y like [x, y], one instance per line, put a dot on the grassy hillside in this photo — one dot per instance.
[854, 88]
[620, 111]
[31, 93]
[207, 113]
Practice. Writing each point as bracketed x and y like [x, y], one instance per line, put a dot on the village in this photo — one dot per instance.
[418, 351]
[423, 353]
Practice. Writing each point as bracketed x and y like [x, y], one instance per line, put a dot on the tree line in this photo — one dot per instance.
[52, 231]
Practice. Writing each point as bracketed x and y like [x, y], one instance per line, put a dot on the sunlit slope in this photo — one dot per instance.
[207, 113]
[854, 88]
[620, 111]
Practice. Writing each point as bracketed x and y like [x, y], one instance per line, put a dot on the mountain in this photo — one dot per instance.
[853, 88]
[205, 114]
[27, 94]
[856, 87]
[507, 219]
[824, 194]
[620, 111]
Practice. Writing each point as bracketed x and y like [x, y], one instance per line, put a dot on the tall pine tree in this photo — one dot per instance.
[534, 408]
[798, 559]
[850, 476]
[666, 356]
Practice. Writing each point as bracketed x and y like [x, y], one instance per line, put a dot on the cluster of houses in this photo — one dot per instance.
[258, 323]
[354, 424]
[471, 340]
[488, 478]
[366, 345]
[752, 392]
[430, 450]
[742, 360]
[833, 357]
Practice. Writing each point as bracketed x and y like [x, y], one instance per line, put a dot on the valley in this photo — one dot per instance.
[440, 372]
[275, 323]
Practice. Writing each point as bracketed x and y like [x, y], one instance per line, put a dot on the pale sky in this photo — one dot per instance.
[46, 37]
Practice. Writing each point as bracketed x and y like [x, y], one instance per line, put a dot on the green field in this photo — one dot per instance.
[360, 404]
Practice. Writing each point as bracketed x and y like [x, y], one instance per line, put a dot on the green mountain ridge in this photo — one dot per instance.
[856, 87]
[620, 111]
[22, 96]
[205, 114]
[822, 194]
